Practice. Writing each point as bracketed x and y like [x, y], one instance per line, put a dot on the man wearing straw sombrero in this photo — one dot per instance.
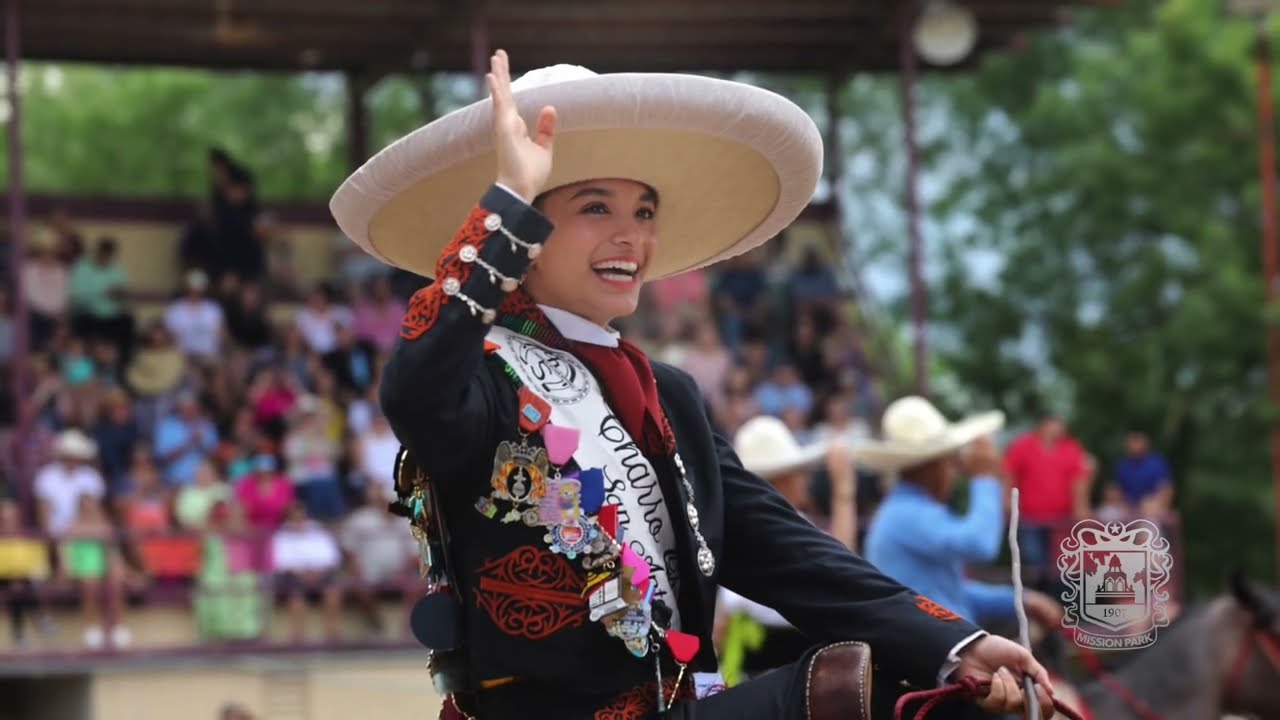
[914, 536]
[574, 509]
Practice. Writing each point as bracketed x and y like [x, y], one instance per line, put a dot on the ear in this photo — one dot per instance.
[1247, 595]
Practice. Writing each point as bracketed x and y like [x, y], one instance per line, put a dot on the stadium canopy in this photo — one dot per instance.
[793, 36]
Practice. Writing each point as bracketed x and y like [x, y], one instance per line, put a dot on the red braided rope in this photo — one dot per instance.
[967, 689]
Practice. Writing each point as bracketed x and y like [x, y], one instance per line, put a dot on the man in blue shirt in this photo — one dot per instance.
[915, 537]
[1144, 477]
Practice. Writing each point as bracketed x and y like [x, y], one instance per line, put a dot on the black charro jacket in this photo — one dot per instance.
[450, 406]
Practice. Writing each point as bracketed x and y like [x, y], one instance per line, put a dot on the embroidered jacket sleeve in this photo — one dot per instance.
[435, 392]
[776, 557]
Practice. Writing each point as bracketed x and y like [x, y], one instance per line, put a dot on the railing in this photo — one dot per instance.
[228, 582]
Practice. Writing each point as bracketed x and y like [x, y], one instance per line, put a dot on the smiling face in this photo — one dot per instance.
[604, 240]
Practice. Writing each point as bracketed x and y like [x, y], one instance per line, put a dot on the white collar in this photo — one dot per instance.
[579, 329]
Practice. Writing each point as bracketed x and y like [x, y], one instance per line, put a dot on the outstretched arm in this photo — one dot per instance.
[434, 391]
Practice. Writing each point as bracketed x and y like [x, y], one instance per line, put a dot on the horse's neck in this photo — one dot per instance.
[1176, 679]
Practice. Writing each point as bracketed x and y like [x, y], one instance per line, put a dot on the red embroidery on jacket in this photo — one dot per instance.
[532, 593]
[639, 702]
[934, 609]
[424, 307]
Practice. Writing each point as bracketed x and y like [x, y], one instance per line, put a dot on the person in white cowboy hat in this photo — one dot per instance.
[60, 484]
[916, 538]
[584, 544]
[753, 639]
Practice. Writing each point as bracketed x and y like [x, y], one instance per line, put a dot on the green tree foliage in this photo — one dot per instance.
[130, 132]
[1112, 171]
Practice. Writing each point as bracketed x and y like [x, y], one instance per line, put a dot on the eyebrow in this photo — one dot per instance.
[650, 195]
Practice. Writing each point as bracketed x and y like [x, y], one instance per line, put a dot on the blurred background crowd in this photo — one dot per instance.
[242, 423]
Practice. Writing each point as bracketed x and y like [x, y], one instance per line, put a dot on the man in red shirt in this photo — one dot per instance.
[1051, 471]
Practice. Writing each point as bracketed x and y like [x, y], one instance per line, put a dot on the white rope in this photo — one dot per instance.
[1024, 628]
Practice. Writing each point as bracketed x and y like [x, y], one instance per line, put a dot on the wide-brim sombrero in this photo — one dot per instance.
[766, 447]
[914, 433]
[733, 164]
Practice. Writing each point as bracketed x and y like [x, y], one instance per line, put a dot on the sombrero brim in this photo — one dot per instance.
[890, 456]
[804, 458]
[733, 165]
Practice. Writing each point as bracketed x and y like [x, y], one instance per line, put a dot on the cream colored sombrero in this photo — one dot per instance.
[767, 448]
[914, 432]
[733, 164]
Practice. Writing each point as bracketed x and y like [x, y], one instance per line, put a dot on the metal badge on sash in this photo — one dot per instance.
[520, 470]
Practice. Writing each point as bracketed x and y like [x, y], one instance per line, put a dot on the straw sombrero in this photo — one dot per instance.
[767, 448]
[75, 445]
[733, 164]
[914, 432]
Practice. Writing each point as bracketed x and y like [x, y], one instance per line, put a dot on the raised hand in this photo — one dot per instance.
[524, 161]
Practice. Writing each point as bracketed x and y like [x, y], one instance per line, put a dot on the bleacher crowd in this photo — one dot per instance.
[230, 440]
[228, 444]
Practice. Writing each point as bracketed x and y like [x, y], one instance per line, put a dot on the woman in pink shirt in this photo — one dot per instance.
[272, 396]
[265, 495]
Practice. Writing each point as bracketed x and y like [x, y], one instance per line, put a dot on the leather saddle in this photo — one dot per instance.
[838, 683]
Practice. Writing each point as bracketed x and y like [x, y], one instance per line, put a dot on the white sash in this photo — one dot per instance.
[630, 482]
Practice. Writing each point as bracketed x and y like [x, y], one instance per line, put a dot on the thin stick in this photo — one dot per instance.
[1024, 628]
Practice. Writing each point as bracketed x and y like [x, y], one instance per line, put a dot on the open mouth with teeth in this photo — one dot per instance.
[618, 271]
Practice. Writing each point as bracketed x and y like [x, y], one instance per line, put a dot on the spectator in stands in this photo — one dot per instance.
[320, 319]
[373, 455]
[195, 320]
[146, 507]
[264, 495]
[1049, 469]
[155, 376]
[378, 546]
[89, 555]
[98, 288]
[116, 435]
[142, 472]
[708, 361]
[312, 458]
[1144, 478]
[228, 602]
[806, 349]
[184, 439]
[45, 282]
[61, 484]
[306, 558]
[272, 394]
[813, 289]
[248, 325]
[378, 315]
[739, 400]
[741, 298]
[236, 212]
[352, 363]
[784, 391]
[220, 392]
[23, 563]
[196, 501]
